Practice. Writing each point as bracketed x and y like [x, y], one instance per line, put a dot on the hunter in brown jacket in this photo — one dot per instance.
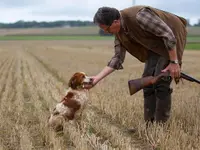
[153, 36]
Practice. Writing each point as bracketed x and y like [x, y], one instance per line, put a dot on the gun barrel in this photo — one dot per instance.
[187, 77]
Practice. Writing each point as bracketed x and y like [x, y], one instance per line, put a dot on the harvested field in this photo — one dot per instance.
[93, 30]
[34, 76]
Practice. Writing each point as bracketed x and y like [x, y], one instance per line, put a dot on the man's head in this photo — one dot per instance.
[108, 19]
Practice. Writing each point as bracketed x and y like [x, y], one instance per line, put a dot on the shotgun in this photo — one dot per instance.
[138, 84]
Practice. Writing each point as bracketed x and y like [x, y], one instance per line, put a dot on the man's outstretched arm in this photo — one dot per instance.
[114, 64]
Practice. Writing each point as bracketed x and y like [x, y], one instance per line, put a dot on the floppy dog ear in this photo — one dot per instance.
[72, 83]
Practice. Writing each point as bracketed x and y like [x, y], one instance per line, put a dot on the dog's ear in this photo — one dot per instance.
[76, 80]
[72, 83]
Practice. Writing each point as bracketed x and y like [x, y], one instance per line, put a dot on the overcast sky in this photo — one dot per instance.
[51, 10]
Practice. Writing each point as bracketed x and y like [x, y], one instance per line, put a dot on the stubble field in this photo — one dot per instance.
[34, 76]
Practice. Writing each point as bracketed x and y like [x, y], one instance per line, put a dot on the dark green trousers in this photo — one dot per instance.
[157, 97]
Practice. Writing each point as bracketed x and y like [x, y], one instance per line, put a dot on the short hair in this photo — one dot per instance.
[106, 16]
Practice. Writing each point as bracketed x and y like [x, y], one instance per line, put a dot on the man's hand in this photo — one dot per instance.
[106, 71]
[95, 80]
[174, 70]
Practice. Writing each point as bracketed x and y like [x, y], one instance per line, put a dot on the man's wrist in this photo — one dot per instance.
[174, 61]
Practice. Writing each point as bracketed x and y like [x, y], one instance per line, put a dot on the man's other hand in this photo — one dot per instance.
[174, 70]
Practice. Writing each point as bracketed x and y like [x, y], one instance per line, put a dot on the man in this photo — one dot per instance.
[154, 37]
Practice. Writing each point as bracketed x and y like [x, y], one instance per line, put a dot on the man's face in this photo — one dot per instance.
[113, 28]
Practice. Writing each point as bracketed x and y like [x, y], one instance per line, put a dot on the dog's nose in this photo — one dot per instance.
[88, 80]
[91, 80]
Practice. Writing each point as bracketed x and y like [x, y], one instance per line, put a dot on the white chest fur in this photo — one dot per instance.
[62, 109]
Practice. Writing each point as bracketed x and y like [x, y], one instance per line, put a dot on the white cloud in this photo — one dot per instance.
[43, 10]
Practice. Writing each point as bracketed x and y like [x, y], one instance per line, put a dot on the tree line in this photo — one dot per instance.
[44, 24]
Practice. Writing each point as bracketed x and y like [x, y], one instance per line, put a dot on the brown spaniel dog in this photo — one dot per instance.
[72, 105]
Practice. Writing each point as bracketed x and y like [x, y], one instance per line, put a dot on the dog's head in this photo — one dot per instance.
[78, 80]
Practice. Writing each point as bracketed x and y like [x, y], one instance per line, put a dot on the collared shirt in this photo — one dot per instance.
[150, 22]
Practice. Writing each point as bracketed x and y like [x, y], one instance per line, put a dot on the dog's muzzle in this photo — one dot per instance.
[87, 80]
